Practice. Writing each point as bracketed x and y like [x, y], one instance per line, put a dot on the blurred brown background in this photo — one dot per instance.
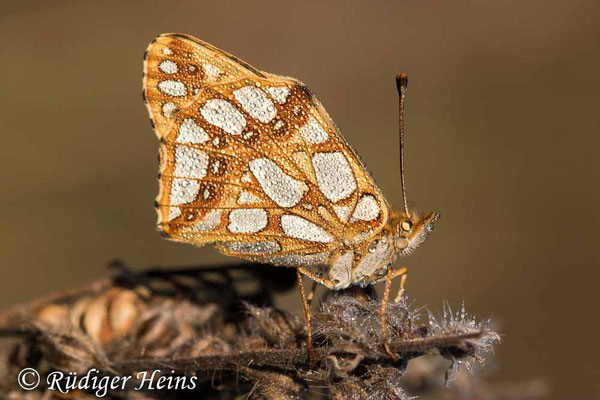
[502, 139]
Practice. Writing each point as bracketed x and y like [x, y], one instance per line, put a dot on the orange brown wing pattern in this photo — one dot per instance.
[177, 66]
[252, 161]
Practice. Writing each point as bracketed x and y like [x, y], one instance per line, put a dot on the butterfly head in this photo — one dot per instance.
[410, 230]
[400, 237]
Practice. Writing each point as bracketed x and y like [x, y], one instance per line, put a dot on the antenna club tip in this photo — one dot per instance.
[401, 80]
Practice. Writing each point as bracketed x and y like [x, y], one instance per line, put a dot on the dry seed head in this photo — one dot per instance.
[53, 315]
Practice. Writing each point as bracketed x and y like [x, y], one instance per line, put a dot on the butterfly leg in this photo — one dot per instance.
[384, 302]
[306, 303]
[311, 294]
[323, 281]
[402, 285]
[307, 316]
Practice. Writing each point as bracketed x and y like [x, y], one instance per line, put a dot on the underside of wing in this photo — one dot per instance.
[252, 162]
[177, 67]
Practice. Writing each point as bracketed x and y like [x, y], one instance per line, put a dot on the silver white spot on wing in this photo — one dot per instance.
[172, 88]
[174, 212]
[343, 212]
[208, 223]
[215, 166]
[252, 248]
[183, 191]
[168, 67]
[334, 175]
[248, 198]
[224, 115]
[191, 132]
[166, 51]
[167, 109]
[190, 162]
[246, 178]
[247, 220]
[256, 103]
[279, 93]
[211, 71]
[300, 228]
[298, 260]
[312, 132]
[366, 209]
[280, 187]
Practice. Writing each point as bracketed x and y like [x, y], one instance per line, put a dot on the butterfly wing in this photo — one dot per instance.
[177, 66]
[251, 161]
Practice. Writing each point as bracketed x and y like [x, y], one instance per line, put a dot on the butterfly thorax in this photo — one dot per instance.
[368, 261]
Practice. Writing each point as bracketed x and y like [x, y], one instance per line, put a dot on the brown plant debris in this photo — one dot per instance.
[218, 328]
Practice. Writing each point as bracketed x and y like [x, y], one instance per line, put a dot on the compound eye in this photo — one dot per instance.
[406, 225]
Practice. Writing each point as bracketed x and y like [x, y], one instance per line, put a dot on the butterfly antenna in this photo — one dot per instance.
[401, 84]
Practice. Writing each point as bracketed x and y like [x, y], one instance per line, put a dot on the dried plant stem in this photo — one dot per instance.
[296, 358]
[168, 320]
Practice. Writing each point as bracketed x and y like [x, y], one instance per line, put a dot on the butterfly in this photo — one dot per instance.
[252, 163]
